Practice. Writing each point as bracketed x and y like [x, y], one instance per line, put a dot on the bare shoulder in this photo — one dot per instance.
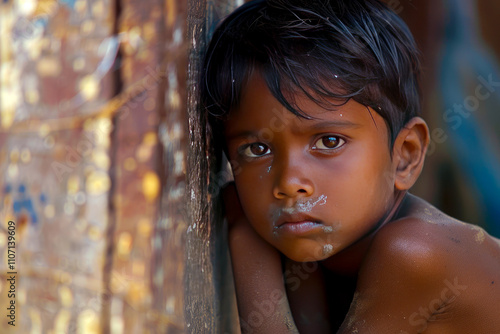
[439, 274]
[431, 239]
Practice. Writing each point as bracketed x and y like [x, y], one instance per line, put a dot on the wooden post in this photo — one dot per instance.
[209, 310]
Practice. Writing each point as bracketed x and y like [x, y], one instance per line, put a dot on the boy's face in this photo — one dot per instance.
[311, 188]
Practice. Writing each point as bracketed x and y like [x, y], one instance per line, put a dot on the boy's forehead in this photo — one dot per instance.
[259, 111]
[257, 101]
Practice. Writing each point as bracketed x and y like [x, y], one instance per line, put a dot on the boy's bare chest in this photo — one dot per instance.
[320, 300]
[340, 293]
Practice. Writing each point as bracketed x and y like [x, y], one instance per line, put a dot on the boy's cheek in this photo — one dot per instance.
[255, 209]
[235, 167]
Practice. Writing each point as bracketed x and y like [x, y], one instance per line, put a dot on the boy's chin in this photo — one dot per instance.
[311, 254]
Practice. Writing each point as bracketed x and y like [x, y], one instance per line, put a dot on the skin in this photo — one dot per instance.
[324, 237]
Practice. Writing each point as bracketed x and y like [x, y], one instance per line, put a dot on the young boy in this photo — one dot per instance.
[316, 105]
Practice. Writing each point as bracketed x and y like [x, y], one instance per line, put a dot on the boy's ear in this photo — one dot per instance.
[409, 151]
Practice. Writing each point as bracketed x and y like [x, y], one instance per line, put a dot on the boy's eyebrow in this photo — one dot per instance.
[242, 134]
[318, 125]
[323, 125]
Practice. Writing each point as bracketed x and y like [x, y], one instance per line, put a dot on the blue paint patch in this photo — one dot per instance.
[43, 198]
[24, 202]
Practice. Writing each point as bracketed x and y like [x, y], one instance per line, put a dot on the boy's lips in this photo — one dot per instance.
[297, 223]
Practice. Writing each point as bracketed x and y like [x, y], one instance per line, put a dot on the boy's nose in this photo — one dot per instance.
[292, 181]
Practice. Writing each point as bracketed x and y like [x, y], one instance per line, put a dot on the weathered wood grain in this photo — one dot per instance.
[105, 168]
[55, 63]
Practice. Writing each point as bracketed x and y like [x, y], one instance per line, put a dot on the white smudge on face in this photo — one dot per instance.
[328, 229]
[327, 249]
[303, 205]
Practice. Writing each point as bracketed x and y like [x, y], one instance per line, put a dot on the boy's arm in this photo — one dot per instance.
[262, 302]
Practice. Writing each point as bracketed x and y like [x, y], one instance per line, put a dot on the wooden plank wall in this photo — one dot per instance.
[104, 168]
[56, 168]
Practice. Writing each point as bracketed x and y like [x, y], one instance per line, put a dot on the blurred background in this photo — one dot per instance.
[105, 166]
[460, 84]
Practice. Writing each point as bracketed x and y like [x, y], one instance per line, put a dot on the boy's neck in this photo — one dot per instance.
[348, 261]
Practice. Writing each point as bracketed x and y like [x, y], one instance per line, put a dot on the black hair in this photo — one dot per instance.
[325, 49]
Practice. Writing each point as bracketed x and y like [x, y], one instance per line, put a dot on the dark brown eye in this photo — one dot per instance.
[256, 150]
[329, 142]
